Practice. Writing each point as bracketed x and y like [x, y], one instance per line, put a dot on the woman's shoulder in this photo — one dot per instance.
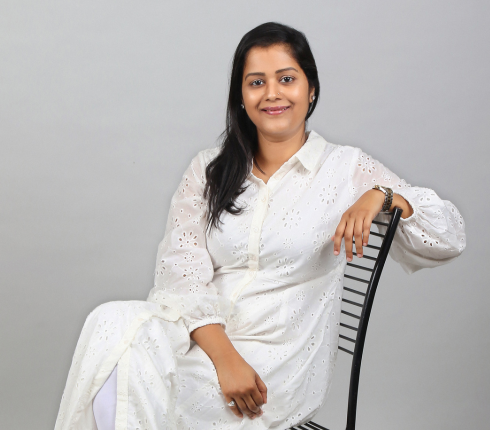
[202, 159]
[338, 150]
[205, 156]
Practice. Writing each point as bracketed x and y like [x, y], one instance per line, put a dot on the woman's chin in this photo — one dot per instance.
[277, 128]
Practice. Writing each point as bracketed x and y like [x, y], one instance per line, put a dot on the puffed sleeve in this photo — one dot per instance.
[184, 270]
[433, 235]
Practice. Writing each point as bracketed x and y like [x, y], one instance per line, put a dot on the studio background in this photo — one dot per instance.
[102, 107]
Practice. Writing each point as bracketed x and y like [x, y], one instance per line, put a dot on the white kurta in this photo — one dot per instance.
[269, 277]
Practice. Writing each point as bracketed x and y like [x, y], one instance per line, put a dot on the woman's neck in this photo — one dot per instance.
[273, 153]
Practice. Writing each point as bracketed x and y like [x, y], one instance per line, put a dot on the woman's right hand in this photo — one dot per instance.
[241, 383]
[237, 379]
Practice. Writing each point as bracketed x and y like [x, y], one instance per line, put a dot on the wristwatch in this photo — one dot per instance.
[388, 197]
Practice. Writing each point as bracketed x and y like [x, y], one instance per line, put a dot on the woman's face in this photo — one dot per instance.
[275, 92]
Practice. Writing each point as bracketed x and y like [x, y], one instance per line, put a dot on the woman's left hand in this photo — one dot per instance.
[356, 222]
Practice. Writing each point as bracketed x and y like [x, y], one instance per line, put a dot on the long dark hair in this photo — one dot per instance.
[226, 174]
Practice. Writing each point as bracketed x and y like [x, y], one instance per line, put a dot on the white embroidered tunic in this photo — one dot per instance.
[269, 277]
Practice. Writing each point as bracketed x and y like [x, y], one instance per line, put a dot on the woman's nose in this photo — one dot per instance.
[273, 92]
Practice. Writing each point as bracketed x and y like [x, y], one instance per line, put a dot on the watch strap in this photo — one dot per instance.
[388, 197]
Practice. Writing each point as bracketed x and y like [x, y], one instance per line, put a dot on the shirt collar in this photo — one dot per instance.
[310, 153]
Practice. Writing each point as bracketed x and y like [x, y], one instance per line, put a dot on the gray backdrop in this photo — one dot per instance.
[102, 106]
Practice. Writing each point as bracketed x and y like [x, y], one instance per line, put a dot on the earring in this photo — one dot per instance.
[243, 107]
[313, 98]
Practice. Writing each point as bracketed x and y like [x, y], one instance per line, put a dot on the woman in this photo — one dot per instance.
[241, 328]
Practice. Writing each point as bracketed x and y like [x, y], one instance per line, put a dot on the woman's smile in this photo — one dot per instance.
[275, 110]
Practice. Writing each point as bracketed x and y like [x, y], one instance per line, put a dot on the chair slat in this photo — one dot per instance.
[352, 303]
[359, 267]
[367, 257]
[315, 426]
[351, 315]
[376, 234]
[347, 338]
[356, 279]
[346, 350]
[380, 223]
[373, 247]
[354, 291]
[348, 326]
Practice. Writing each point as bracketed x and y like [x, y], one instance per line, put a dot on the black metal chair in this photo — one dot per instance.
[355, 326]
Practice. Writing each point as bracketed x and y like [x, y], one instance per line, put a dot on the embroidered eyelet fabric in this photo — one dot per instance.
[269, 277]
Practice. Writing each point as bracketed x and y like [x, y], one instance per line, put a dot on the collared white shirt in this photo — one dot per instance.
[270, 277]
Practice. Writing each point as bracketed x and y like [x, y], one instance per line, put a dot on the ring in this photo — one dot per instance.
[231, 404]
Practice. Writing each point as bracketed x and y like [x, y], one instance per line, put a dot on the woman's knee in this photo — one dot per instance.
[106, 308]
[116, 313]
[105, 311]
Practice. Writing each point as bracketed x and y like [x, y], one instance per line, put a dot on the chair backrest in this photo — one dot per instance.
[360, 283]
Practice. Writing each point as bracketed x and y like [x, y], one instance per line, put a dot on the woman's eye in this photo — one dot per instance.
[256, 82]
[287, 79]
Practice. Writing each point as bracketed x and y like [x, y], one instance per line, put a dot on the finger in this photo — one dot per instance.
[251, 404]
[358, 235]
[262, 388]
[243, 407]
[348, 235]
[234, 409]
[257, 398]
[366, 231]
[339, 233]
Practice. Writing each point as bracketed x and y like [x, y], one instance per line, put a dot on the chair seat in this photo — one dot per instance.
[310, 425]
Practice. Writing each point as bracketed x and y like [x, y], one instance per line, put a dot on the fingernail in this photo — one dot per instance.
[349, 258]
[336, 252]
[364, 244]
[359, 255]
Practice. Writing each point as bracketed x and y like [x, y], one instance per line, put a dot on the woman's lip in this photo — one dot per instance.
[275, 110]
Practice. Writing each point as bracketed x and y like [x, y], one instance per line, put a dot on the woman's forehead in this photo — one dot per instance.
[269, 59]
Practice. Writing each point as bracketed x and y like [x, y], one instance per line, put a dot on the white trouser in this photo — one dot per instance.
[104, 404]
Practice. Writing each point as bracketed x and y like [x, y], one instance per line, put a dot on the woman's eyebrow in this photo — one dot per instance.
[254, 74]
[287, 68]
[263, 74]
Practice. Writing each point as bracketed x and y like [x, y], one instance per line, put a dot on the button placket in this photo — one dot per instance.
[254, 239]
[258, 219]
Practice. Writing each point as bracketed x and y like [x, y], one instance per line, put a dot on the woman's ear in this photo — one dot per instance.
[312, 94]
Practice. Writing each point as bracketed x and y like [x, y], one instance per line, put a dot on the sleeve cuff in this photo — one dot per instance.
[405, 194]
[201, 323]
